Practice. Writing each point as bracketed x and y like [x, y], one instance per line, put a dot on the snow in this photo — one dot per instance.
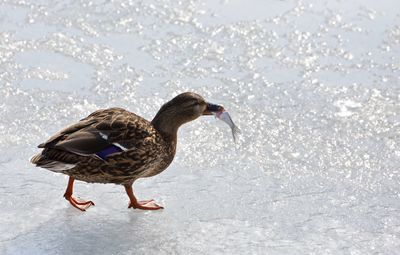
[313, 85]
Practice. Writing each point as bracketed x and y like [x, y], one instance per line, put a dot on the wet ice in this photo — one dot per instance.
[314, 85]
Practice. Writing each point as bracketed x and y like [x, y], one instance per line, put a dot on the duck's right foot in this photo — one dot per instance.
[142, 205]
[145, 205]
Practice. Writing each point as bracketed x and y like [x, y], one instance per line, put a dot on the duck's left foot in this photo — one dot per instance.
[79, 204]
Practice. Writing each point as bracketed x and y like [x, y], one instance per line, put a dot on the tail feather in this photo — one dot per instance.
[41, 160]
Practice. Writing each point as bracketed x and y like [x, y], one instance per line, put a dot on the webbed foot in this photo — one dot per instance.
[145, 205]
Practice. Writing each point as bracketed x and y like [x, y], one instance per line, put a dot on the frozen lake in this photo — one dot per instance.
[313, 85]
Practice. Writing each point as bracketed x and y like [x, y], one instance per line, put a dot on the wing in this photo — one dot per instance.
[100, 130]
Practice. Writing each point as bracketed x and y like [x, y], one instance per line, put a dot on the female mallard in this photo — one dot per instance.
[118, 146]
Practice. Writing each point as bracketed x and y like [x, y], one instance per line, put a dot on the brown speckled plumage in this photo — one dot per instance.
[147, 148]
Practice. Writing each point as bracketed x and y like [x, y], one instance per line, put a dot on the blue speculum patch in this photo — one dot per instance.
[108, 151]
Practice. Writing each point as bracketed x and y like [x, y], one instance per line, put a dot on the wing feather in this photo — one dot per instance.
[99, 130]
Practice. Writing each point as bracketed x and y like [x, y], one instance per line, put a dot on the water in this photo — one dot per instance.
[314, 87]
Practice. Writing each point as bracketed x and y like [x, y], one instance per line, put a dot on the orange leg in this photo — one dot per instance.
[81, 205]
[143, 205]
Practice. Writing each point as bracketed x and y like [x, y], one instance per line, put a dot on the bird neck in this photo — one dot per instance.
[167, 125]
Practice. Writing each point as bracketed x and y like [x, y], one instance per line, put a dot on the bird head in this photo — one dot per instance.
[183, 108]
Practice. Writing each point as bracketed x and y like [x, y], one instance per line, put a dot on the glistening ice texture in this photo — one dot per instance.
[313, 85]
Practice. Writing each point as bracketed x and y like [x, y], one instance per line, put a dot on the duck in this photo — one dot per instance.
[117, 146]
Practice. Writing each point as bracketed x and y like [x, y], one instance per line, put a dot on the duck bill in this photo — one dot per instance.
[212, 109]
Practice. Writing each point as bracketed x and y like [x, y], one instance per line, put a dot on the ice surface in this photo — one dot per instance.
[313, 85]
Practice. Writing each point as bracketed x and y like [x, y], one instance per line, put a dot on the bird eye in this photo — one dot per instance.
[193, 104]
